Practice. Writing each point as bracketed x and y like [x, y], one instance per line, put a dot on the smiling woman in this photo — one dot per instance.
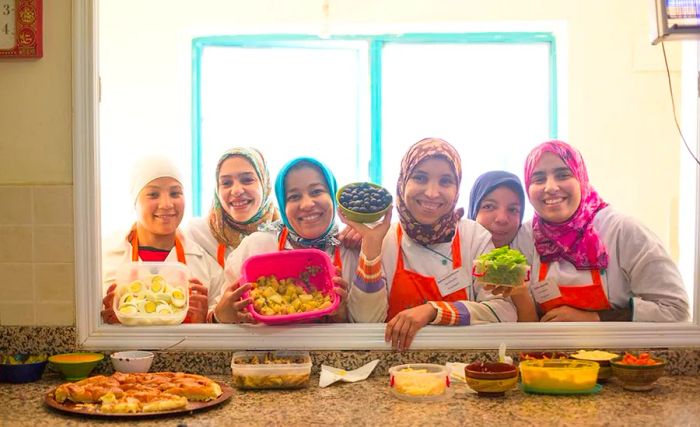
[592, 96]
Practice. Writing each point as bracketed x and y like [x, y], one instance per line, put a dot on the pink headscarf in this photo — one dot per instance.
[574, 240]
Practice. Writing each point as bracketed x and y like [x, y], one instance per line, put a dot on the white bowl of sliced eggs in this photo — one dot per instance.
[152, 293]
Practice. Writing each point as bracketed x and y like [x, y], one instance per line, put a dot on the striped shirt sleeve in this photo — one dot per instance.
[451, 313]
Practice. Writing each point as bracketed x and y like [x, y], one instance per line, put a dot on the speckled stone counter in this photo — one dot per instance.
[674, 401]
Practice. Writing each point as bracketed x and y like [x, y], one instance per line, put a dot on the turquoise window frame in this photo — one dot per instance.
[375, 45]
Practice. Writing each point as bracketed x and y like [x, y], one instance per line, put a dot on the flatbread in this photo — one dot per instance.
[143, 392]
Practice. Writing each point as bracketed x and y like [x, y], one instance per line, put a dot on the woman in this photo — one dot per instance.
[497, 202]
[157, 191]
[242, 202]
[427, 257]
[305, 191]
[593, 263]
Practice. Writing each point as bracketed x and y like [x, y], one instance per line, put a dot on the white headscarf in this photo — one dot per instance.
[149, 168]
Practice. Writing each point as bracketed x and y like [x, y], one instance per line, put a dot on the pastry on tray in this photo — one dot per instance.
[139, 392]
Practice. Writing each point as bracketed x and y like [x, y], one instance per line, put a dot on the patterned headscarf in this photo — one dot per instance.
[328, 237]
[444, 229]
[490, 181]
[223, 227]
[574, 240]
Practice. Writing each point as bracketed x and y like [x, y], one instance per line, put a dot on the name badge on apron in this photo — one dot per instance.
[545, 290]
[453, 281]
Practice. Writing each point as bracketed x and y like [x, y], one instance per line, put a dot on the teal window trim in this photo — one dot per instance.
[376, 44]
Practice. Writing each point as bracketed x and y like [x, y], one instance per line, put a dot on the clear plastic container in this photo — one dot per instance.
[420, 382]
[486, 274]
[558, 376]
[254, 370]
[309, 268]
[152, 293]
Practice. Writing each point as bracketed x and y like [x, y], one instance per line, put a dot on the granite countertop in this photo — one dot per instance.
[672, 402]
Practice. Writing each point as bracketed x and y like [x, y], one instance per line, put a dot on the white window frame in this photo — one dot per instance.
[94, 335]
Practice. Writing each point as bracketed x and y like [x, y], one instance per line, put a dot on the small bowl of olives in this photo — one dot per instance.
[363, 201]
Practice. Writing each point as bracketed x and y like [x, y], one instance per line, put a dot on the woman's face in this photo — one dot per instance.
[431, 190]
[239, 189]
[160, 206]
[554, 191]
[499, 212]
[309, 207]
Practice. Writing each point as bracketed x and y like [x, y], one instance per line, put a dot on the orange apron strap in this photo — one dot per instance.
[456, 251]
[220, 251]
[399, 237]
[596, 277]
[337, 260]
[180, 251]
[544, 268]
[282, 239]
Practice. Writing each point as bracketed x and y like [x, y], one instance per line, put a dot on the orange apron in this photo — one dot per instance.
[410, 289]
[587, 297]
[134, 240]
[337, 261]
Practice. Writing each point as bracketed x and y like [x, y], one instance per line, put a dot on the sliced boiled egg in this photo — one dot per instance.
[147, 307]
[162, 297]
[128, 309]
[126, 299]
[164, 309]
[158, 284]
[178, 297]
[136, 286]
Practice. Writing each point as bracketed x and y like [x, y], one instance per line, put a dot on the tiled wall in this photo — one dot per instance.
[36, 255]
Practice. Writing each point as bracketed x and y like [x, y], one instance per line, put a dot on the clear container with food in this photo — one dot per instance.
[601, 357]
[290, 286]
[420, 382]
[255, 370]
[501, 267]
[558, 376]
[151, 293]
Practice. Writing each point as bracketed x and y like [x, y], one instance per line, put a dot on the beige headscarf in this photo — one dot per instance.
[225, 229]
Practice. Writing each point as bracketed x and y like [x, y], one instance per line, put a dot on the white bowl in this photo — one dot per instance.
[132, 361]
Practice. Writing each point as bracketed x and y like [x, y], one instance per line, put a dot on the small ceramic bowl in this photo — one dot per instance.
[22, 372]
[75, 366]
[491, 378]
[132, 361]
[637, 377]
[365, 217]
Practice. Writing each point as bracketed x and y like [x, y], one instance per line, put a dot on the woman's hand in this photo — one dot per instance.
[350, 238]
[403, 327]
[567, 313]
[232, 308]
[199, 302]
[372, 237]
[340, 287]
[107, 312]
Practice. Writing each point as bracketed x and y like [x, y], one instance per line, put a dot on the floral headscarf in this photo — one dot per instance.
[328, 237]
[225, 229]
[490, 181]
[444, 229]
[574, 240]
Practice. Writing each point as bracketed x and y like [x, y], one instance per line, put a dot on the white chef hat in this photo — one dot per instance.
[151, 167]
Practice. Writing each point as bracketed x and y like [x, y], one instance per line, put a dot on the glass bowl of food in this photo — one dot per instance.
[501, 267]
[254, 370]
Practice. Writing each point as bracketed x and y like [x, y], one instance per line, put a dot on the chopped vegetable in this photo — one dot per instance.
[501, 266]
[644, 359]
[19, 359]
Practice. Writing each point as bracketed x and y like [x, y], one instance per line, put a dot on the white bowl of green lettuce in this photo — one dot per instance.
[501, 267]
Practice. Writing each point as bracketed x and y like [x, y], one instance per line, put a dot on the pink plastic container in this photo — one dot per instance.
[291, 264]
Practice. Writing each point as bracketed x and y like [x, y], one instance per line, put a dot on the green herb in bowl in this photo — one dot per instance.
[501, 267]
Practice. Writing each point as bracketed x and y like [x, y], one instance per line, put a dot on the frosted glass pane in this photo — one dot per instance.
[287, 102]
[491, 101]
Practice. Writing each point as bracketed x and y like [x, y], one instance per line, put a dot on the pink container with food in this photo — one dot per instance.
[290, 286]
